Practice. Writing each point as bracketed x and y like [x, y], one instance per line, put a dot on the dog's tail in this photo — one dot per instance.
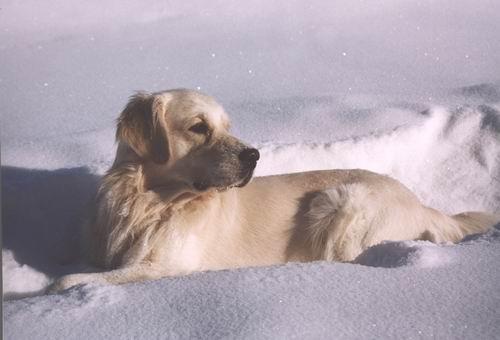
[476, 222]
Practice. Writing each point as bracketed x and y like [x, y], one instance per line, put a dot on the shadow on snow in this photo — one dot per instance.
[42, 215]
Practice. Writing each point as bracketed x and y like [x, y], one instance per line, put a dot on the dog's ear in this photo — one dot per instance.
[142, 126]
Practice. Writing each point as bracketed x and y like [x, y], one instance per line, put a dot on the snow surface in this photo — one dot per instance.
[316, 300]
[409, 89]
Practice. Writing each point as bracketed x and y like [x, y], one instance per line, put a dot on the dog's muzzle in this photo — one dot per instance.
[248, 159]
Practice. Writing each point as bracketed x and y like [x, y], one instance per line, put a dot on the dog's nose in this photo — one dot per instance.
[249, 155]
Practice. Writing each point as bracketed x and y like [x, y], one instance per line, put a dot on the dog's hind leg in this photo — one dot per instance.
[346, 220]
[339, 218]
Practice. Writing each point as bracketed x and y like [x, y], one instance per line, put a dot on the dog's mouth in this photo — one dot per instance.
[246, 179]
[203, 185]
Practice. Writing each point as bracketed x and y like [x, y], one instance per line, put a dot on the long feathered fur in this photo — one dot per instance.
[126, 219]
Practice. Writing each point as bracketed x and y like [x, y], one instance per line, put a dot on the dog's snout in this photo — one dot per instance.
[249, 155]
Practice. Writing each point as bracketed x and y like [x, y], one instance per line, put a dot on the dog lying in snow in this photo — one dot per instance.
[178, 199]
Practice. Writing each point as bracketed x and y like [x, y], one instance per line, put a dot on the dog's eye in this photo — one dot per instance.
[201, 128]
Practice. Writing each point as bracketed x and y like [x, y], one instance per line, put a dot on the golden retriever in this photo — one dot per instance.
[178, 199]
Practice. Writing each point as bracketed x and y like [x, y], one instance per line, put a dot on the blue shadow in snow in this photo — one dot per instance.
[42, 215]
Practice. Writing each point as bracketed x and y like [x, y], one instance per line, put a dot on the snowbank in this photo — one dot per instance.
[316, 300]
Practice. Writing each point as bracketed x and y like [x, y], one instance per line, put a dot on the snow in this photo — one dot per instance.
[401, 88]
[450, 299]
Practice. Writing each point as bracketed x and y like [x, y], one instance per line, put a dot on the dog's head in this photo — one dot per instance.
[182, 137]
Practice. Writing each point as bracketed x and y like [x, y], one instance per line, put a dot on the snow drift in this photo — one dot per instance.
[315, 300]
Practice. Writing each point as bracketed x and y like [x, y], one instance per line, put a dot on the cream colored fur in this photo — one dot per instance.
[168, 205]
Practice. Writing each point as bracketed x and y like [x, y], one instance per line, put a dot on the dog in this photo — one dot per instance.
[179, 199]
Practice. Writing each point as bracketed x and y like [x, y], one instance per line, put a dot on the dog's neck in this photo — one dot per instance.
[170, 191]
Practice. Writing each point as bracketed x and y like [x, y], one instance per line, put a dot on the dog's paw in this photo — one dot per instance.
[69, 281]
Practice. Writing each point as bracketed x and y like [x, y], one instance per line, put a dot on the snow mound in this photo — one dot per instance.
[448, 154]
[421, 254]
[20, 280]
[313, 300]
[485, 92]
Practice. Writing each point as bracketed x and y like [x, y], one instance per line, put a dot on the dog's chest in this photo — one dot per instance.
[184, 249]
[196, 239]
[187, 255]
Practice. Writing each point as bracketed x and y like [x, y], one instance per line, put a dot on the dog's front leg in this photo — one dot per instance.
[134, 273]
